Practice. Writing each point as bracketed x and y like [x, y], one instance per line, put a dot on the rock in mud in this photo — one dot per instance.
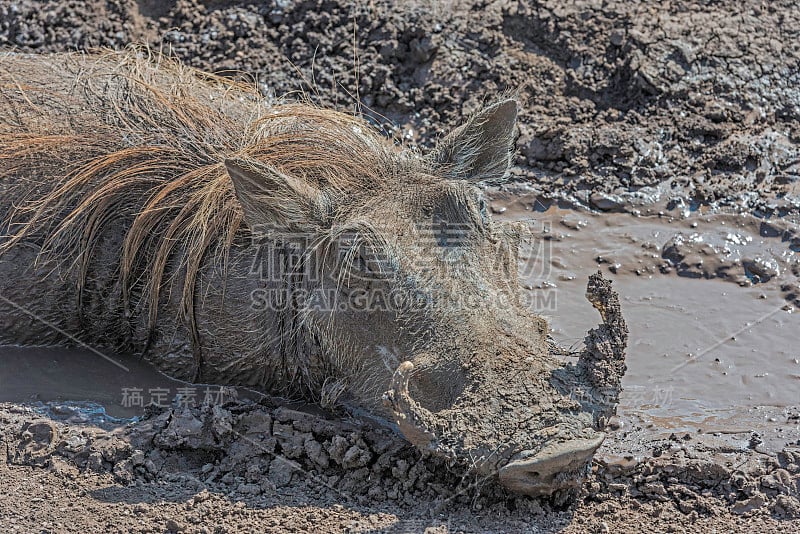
[607, 202]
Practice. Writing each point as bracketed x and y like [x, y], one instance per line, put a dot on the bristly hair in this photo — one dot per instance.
[134, 137]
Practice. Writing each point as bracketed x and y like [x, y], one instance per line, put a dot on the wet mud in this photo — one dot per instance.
[710, 338]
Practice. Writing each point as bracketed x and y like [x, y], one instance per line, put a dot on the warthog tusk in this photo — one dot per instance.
[602, 362]
[415, 422]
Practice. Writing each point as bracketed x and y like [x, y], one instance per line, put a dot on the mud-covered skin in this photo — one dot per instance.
[152, 203]
[624, 98]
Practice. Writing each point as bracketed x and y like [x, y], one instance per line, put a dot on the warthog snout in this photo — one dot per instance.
[558, 466]
[538, 446]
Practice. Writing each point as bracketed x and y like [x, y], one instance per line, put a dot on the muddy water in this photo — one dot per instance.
[708, 301]
[75, 382]
[79, 385]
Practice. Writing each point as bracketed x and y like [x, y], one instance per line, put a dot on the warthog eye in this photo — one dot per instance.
[368, 264]
[459, 222]
[483, 209]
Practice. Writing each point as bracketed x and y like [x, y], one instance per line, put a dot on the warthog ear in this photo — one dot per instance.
[482, 148]
[272, 198]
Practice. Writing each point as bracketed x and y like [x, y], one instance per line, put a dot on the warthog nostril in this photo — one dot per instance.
[557, 466]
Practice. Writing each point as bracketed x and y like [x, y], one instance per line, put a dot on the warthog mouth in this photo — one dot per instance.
[558, 466]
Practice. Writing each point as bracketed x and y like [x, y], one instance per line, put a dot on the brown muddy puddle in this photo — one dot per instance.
[84, 386]
[76, 383]
[713, 342]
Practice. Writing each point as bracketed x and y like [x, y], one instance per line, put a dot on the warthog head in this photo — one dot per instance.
[415, 299]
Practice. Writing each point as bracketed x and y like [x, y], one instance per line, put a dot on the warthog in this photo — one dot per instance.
[157, 210]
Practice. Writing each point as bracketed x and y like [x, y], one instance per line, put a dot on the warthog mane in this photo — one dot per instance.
[151, 149]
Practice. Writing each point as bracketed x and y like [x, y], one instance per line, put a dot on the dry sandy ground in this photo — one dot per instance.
[245, 466]
[40, 500]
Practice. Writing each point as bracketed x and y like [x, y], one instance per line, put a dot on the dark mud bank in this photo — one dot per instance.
[695, 104]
